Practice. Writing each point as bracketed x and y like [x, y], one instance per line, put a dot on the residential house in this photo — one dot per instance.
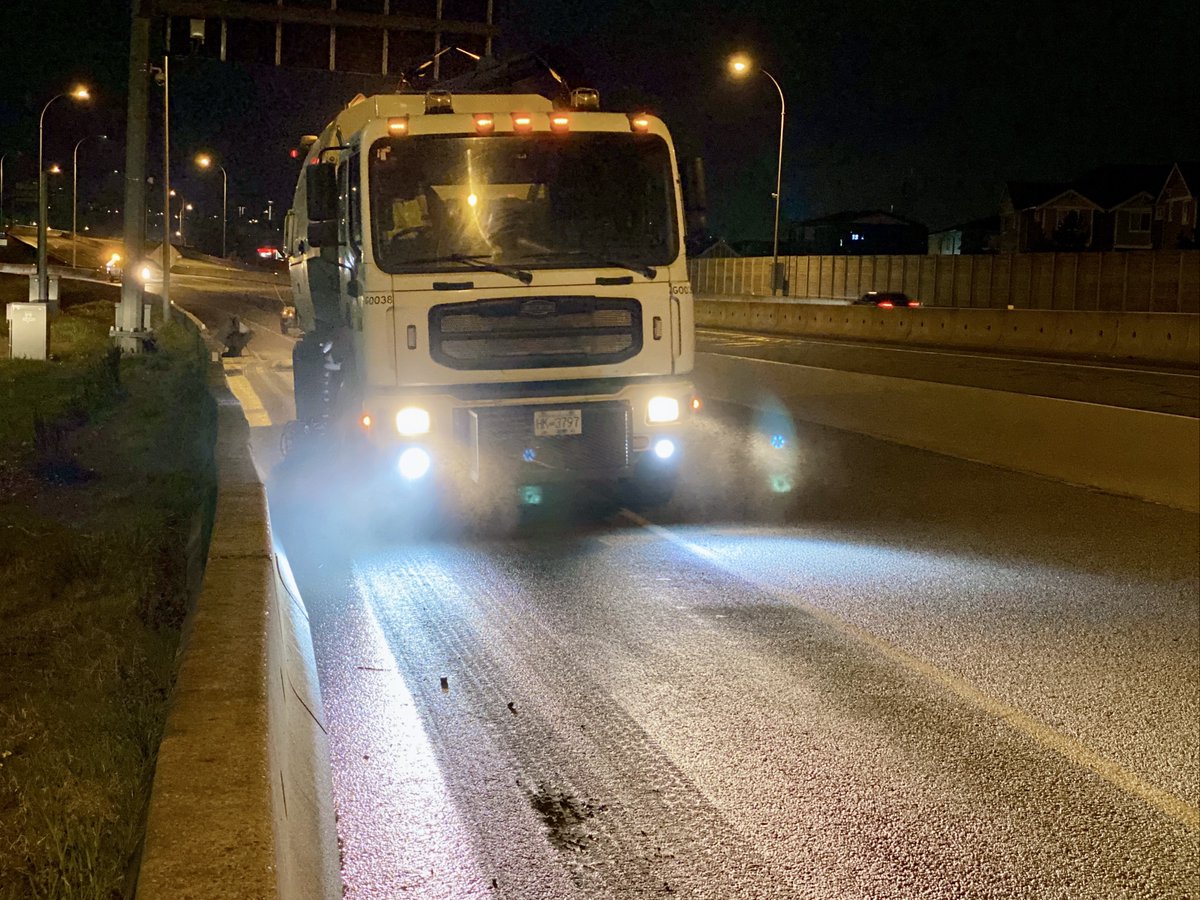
[977, 236]
[858, 233]
[1176, 207]
[718, 249]
[1114, 207]
[1126, 197]
[1022, 227]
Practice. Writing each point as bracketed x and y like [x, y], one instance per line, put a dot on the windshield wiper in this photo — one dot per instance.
[597, 259]
[522, 275]
[475, 262]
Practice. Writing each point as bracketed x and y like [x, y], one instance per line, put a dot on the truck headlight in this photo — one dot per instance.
[414, 463]
[662, 409]
[412, 420]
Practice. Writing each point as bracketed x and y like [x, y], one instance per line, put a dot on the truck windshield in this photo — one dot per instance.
[529, 201]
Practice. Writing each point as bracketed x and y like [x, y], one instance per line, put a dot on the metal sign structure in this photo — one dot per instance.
[228, 15]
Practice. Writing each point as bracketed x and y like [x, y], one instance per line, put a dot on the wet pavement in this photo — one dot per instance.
[831, 667]
[905, 676]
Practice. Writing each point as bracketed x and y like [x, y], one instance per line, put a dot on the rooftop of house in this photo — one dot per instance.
[860, 217]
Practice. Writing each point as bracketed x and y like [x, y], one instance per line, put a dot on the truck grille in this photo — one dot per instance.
[535, 332]
[504, 445]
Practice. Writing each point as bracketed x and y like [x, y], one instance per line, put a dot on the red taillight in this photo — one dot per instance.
[485, 123]
[640, 124]
[522, 123]
[885, 304]
[560, 123]
[914, 302]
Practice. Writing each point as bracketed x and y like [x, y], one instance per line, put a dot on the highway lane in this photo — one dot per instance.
[1175, 391]
[907, 676]
[841, 668]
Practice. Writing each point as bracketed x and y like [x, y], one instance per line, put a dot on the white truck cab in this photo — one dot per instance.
[489, 278]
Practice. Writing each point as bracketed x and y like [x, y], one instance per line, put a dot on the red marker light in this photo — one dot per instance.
[522, 123]
[559, 123]
[485, 123]
[294, 153]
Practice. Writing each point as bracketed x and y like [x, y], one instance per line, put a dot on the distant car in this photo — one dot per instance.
[887, 300]
[287, 319]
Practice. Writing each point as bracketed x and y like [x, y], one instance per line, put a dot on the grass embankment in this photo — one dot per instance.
[105, 464]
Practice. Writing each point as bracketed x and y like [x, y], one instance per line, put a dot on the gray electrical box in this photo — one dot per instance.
[28, 330]
[51, 288]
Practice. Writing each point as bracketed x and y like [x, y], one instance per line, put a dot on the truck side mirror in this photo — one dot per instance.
[320, 183]
[323, 233]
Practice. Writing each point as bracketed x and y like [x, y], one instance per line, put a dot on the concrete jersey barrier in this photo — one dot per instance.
[241, 805]
[1147, 455]
[1162, 338]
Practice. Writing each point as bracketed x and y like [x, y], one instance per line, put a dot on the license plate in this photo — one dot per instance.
[557, 422]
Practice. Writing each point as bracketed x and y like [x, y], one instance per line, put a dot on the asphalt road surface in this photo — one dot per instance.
[836, 668]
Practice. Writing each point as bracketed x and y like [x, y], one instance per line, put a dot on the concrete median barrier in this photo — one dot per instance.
[1156, 338]
[1148, 455]
[241, 804]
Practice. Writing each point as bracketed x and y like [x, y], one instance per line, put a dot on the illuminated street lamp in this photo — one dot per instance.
[741, 66]
[205, 161]
[75, 195]
[183, 207]
[79, 94]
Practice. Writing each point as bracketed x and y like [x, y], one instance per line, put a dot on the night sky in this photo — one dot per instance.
[923, 107]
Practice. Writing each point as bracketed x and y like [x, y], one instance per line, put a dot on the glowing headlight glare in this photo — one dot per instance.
[414, 463]
[662, 409]
[412, 420]
[664, 449]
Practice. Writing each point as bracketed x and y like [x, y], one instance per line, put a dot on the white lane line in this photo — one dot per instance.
[1167, 803]
[714, 335]
[256, 414]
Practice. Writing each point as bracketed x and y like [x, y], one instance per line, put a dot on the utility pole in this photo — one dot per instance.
[128, 333]
[166, 180]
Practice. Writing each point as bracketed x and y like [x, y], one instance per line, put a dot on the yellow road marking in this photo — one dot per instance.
[256, 414]
[1169, 804]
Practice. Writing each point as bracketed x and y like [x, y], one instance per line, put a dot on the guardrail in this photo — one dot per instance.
[1159, 338]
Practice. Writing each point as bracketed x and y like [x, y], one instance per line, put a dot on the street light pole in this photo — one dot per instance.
[183, 206]
[75, 197]
[43, 275]
[205, 161]
[224, 207]
[3, 156]
[741, 65]
[166, 242]
[776, 281]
